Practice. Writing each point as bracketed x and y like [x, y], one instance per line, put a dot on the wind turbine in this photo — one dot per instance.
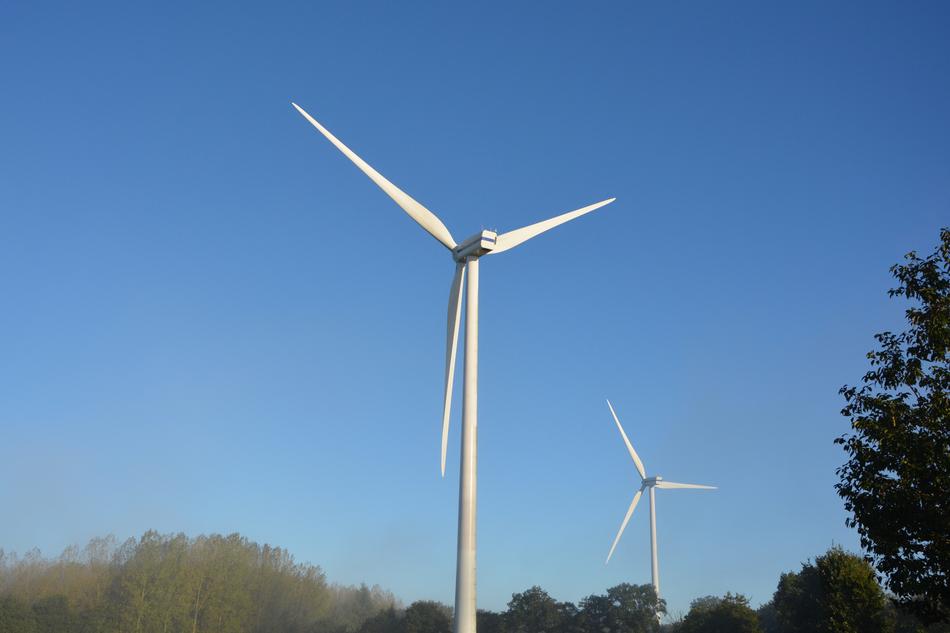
[466, 256]
[645, 482]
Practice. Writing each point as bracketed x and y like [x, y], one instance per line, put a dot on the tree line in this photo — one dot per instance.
[229, 584]
[837, 592]
[173, 583]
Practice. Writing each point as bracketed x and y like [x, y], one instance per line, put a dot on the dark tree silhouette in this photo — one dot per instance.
[896, 480]
[426, 616]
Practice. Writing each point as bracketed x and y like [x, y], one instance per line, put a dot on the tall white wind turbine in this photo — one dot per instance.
[466, 256]
[645, 482]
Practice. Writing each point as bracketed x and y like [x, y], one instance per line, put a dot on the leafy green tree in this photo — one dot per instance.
[729, 614]
[138, 581]
[837, 594]
[229, 561]
[625, 608]
[896, 480]
[635, 607]
[595, 615]
[533, 611]
[704, 603]
[427, 616]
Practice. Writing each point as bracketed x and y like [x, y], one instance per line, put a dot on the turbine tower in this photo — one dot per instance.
[466, 256]
[645, 482]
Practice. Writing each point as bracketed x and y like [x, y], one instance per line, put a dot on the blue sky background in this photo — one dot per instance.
[212, 322]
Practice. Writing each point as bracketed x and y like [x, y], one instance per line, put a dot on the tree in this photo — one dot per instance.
[896, 479]
[625, 608]
[427, 616]
[635, 607]
[837, 594]
[533, 611]
[729, 614]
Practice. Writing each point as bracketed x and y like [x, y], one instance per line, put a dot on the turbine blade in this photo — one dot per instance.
[425, 218]
[672, 484]
[623, 526]
[451, 345]
[513, 238]
[633, 453]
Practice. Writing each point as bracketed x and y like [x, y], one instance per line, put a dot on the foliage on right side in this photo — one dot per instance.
[896, 482]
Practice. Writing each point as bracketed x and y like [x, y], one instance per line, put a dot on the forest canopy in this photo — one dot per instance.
[176, 583]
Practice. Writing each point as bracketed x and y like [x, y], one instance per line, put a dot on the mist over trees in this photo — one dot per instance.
[167, 583]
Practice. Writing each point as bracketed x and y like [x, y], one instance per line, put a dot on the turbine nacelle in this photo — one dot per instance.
[475, 246]
[652, 481]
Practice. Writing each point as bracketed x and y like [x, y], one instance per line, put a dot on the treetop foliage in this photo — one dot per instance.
[838, 593]
[729, 614]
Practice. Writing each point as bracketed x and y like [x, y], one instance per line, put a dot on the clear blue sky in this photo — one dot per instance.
[212, 322]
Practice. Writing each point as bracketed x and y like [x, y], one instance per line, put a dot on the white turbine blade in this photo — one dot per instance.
[672, 484]
[451, 345]
[416, 211]
[623, 526]
[513, 238]
[633, 453]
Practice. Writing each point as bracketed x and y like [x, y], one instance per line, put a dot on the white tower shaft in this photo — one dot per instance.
[465, 569]
[656, 566]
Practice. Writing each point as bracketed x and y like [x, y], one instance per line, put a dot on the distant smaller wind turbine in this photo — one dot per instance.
[645, 482]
